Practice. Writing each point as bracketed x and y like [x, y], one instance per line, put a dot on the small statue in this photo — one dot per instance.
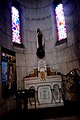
[40, 44]
[40, 41]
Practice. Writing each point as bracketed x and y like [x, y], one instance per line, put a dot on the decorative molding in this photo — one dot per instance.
[48, 93]
[48, 72]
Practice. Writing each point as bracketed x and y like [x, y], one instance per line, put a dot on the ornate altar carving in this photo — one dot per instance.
[47, 85]
[42, 71]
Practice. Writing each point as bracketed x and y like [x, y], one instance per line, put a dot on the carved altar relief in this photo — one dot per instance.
[42, 71]
[56, 95]
[44, 94]
[48, 92]
[47, 84]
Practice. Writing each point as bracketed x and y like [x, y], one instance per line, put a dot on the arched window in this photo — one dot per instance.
[60, 22]
[16, 35]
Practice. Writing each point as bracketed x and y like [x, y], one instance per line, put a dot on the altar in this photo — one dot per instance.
[47, 85]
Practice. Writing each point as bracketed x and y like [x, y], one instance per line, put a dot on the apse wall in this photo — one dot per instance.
[34, 14]
[63, 57]
[40, 14]
[37, 14]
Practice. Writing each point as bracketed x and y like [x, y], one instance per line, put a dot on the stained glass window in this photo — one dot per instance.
[60, 20]
[16, 38]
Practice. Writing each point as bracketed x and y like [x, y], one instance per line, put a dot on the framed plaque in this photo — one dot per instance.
[44, 94]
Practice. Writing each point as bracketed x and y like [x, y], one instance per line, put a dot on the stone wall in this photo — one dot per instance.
[40, 14]
[63, 57]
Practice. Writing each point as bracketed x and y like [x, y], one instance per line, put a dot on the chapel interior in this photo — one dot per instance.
[40, 59]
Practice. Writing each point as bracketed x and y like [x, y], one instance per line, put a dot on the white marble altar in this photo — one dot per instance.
[48, 89]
